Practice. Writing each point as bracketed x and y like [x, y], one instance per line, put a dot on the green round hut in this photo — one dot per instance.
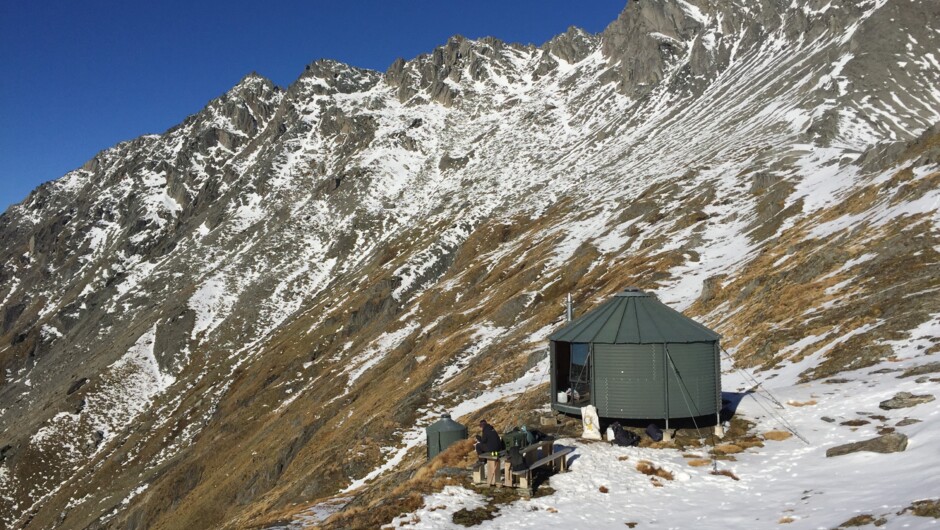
[633, 357]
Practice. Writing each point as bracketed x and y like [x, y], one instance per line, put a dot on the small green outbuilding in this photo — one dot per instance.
[444, 433]
[633, 357]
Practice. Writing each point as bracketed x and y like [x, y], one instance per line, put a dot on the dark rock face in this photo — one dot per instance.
[644, 40]
[903, 400]
[572, 47]
[888, 443]
[449, 162]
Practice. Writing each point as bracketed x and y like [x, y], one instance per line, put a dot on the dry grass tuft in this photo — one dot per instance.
[861, 520]
[603, 489]
[749, 442]
[623, 458]
[459, 454]
[786, 520]
[465, 517]
[727, 449]
[726, 473]
[777, 436]
[699, 462]
[809, 403]
[648, 468]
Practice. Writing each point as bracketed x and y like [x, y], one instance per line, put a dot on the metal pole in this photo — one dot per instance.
[666, 434]
[719, 430]
[569, 312]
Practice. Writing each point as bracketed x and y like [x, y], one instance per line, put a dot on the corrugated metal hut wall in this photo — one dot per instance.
[639, 381]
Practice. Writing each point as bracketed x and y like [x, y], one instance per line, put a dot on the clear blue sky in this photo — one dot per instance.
[80, 76]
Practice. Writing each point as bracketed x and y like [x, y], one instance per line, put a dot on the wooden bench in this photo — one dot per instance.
[557, 460]
[530, 453]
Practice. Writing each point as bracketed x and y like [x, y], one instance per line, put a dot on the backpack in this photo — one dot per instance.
[537, 436]
[514, 438]
[623, 437]
[529, 437]
[516, 460]
[654, 432]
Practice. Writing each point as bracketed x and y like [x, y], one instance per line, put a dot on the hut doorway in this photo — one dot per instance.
[573, 372]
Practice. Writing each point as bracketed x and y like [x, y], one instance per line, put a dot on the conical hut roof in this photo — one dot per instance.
[634, 317]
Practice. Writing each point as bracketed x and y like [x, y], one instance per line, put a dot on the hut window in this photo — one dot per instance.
[580, 374]
[579, 355]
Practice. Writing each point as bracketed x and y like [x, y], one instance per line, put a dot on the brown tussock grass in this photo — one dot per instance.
[777, 436]
[727, 449]
[809, 403]
[648, 468]
[726, 473]
[603, 489]
[699, 462]
[786, 520]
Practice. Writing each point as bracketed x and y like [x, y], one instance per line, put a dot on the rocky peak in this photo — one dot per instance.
[253, 85]
[243, 109]
[646, 38]
[573, 45]
[326, 76]
[437, 76]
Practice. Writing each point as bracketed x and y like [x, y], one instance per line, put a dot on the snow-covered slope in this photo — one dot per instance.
[278, 294]
[788, 482]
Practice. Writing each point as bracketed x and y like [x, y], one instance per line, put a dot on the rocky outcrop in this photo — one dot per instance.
[889, 443]
[922, 369]
[903, 400]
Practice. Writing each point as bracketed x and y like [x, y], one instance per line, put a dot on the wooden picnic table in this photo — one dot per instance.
[536, 455]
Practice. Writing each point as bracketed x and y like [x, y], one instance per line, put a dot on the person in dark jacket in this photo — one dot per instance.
[489, 443]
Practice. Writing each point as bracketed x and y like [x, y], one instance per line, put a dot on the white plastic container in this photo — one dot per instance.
[562, 397]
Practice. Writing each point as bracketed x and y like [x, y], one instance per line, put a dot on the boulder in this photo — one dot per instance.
[855, 423]
[889, 443]
[903, 400]
[924, 508]
[922, 369]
